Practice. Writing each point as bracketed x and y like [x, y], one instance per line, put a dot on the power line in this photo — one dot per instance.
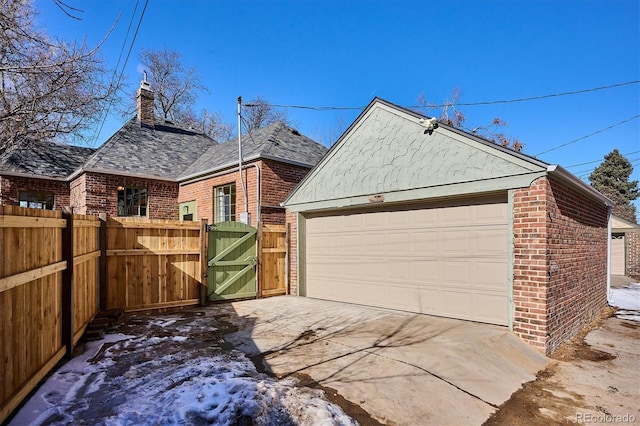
[135, 35]
[589, 135]
[500, 101]
[597, 161]
[587, 173]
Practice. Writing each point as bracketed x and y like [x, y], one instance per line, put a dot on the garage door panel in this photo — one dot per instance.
[456, 242]
[491, 241]
[456, 274]
[489, 275]
[424, 242]
[424, 218]
[490, 213]
[460, 215]
[424, 272]
[447, 261]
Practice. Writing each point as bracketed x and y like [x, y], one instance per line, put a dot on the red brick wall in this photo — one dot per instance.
[633, 254]
[277, 180]
[101, 195]
[291, 218]
[560, 262]
[202, 192]
[10, 186]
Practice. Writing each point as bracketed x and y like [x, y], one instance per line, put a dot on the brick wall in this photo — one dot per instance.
[101, 195]
[560, 262]
[633, 254]
[291, 219]
[277, 180]
[202, 192]
[10, 187]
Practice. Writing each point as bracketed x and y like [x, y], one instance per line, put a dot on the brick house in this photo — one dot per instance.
[158, 169]
[408, 214]
[39, 177]
[276, 159]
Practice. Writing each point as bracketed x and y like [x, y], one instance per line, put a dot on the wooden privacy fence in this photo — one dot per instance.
[58, 269]
[273, 248]
[155, 263]
[43, 256]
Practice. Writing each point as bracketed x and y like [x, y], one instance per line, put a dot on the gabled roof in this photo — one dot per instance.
[276, 141]
[163, 151]
[45, 159]
[388, 151]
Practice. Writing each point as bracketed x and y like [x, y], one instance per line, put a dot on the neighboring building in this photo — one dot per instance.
[439, 221]
[276, 158]
[158, 169]
[38, 176]
[625, 247]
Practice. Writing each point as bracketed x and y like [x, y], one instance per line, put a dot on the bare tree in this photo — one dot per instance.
[452, 116]
[49, 88]
[176, 87]
[259, 113]
[176, 90]
[211, 124]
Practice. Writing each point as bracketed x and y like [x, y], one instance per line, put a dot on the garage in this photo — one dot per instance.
[617, 254]
[410, 214]
[445, 260]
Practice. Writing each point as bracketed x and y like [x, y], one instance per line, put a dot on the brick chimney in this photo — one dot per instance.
[145, 100]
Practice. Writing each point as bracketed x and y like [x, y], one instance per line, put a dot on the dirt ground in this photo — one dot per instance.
[593, 378]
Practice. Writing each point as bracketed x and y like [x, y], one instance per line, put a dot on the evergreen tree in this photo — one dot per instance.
[611, 178]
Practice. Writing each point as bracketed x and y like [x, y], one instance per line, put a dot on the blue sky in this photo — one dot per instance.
[342, 53]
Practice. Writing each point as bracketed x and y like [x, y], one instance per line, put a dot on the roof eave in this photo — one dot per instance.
[567, 177]
[33, 176]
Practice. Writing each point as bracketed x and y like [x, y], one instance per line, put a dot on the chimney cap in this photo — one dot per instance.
[144, 84]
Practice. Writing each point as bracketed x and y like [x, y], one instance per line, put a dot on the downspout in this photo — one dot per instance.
[610, 215]
[257, 191]
[244, 190]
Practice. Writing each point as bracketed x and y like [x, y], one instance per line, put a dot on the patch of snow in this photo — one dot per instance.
[627, 300]
[163, 323]
[179, 338]
[134, 382]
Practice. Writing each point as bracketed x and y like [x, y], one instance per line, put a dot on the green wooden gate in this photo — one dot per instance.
[232, 261]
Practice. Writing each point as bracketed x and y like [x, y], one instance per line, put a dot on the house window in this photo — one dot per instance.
[225, 203]
[132, 201]
[36, 199]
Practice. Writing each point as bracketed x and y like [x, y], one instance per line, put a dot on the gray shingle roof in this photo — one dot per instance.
[276, 141]
[47, 159]
[164, 151]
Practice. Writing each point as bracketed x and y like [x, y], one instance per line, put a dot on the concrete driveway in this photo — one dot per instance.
[400, 368]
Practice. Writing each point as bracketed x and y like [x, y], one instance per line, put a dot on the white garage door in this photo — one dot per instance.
[617, 255]
[449, 261]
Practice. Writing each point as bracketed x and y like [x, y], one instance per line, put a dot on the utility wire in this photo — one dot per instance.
[589, 135]
[598, 161]
[133, 40]
[501, 101]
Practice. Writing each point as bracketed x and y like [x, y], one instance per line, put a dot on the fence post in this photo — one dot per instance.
[102, 280]
[204, 262]
[260, 259]
[287, 260]
[67, 281]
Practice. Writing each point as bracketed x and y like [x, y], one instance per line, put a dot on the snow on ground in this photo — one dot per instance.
[159, 379]
[627, 299]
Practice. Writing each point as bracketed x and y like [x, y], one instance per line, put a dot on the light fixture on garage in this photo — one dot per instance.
[430, 125]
